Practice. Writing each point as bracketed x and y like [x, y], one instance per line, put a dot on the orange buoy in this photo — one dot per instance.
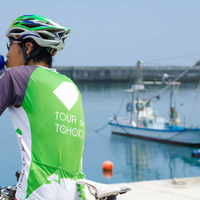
[107, 166]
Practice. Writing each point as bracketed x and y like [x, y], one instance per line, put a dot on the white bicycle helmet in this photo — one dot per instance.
[43, 31]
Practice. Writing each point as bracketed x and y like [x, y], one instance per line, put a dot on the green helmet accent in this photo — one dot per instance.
[43, 31]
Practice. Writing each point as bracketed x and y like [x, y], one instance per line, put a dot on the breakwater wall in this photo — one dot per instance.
[123, 73]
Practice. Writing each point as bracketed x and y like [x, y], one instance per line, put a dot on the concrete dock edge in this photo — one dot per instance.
[171, 189]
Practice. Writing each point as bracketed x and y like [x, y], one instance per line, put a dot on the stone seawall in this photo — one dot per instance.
[127, 73]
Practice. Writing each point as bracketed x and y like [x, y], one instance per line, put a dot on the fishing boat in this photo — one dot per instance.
[142, 122]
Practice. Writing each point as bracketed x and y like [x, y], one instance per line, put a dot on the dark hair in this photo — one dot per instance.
[43, 54]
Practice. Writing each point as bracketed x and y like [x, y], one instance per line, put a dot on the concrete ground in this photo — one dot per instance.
[176, 189]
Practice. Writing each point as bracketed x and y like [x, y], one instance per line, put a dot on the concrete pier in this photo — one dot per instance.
[176, 189]
[127, 73]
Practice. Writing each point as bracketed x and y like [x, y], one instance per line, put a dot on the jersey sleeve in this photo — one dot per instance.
[13, 84]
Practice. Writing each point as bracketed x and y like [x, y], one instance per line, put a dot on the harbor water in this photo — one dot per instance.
[133, 159]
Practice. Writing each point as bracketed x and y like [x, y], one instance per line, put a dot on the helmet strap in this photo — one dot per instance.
[32, 55]
[24, 54]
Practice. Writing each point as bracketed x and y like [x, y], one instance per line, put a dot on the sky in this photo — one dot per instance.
[117, 32]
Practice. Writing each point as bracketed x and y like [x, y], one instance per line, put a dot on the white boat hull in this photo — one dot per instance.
[187, 136]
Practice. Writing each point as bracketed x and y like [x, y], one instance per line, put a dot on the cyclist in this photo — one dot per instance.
[46, 111]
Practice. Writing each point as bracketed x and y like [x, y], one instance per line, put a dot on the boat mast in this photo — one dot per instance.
[139, 72]
[132, 106]
[173, 114]
[138, 86]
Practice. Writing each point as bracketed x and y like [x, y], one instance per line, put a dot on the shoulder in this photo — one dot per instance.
[18, 74]
[20, 70]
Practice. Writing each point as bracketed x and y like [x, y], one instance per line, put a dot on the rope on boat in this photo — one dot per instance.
[102, 127]
[120, 105]
[176, 134]
[176, 79]
[170, 58]
[115, 118]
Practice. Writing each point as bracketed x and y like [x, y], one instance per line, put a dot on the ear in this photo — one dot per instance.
[29, 48]
[54, 52]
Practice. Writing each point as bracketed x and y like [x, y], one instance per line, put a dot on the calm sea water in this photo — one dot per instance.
[133, 159]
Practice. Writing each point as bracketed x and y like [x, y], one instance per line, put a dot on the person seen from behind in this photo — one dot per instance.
[46, 111]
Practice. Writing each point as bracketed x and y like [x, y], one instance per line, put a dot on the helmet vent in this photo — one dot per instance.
[30, 25]
[16, 31]
[28, 19]
[43, 36]
[61, 34]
